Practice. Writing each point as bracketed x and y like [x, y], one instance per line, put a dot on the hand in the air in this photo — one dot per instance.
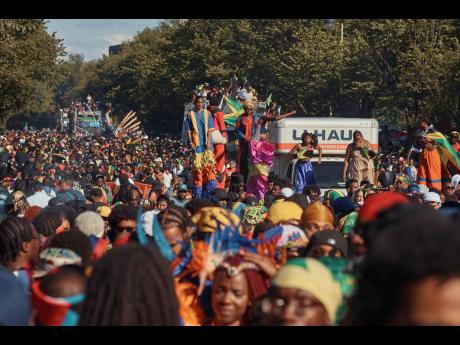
[264, 263]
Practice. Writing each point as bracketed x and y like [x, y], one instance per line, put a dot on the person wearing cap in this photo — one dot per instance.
[316, 217]
[181, 199]
[220, 198]
[302, 293]
[284, 212]
[432, 199]
[287, 192]
[329, 243]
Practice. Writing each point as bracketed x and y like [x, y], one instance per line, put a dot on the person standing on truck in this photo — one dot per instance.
[199, 125]
[358, 162]
[304, 169]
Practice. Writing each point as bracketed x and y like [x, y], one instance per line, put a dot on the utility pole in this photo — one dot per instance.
[341, 32]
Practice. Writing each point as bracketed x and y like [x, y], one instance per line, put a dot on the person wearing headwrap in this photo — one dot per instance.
[302, 293]
[252, 215]
[208, 219]
[330, 196]
[316, 217]
[284, 212]
[236, 286]
[246, 126]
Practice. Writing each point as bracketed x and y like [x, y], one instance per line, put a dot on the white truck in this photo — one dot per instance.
[334, 135]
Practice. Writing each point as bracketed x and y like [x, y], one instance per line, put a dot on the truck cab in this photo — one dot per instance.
[334, 135]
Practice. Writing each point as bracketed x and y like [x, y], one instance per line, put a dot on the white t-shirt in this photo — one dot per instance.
[167, 178]
[39, 199]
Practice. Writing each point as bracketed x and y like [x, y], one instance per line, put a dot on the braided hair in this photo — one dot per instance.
[47, 222]
[131, 285]
[13, 233]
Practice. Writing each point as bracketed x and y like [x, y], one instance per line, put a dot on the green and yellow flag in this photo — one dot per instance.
[232, 109]
[449, 157]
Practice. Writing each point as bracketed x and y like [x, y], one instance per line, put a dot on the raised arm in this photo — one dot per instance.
[294, 149]
[280, 117]
[320, 151]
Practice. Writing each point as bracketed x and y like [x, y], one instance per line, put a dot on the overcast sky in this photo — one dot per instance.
[92, 37]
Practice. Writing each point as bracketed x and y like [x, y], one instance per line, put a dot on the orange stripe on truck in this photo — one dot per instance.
[325, 147]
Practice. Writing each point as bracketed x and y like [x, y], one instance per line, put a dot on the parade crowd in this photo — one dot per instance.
[133, 231]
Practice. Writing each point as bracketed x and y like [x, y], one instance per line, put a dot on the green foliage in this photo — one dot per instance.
[398, 69]
[29, 67]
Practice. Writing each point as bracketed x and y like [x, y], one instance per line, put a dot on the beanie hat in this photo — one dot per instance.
[377, 203]
[317, 212]
[90, 223]
[284, 211]
[342, 206]
[313, 277]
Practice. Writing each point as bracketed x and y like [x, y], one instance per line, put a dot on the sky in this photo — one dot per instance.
[92, 37]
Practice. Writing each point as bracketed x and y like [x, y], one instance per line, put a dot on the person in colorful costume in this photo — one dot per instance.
[200, 124]
[438, 160]
[219, 148]
[246, 126]
[304, 168]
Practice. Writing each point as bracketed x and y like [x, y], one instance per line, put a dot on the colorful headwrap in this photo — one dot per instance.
[254, 214]
[52, 311]
[311, 276]
[287, 235]
[347, 281]
[333, 194]
[348, 223]
[317, 212]
[284, 211]
[208, 219]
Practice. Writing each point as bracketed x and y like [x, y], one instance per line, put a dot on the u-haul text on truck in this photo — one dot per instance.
[334, 135]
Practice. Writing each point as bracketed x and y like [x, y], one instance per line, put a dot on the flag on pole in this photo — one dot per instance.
[232, 109]
[449, 158]
[269, 100]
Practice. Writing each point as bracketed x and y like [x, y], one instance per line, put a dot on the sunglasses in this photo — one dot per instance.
[125, 229]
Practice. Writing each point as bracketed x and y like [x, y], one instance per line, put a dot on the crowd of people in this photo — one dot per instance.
[116, 231]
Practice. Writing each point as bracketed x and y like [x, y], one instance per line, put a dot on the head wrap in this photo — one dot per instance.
[333, 194]
[313, 277]
[52, 258]
[254, 214]
[208, 219]
[317, 212]
[377, 203]
[287, 235]
[283, 212]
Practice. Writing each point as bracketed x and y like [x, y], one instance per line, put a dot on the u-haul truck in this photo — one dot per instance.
[334, 135]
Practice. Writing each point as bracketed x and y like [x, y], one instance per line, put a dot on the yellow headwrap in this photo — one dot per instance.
[317, 212]
[313, 277]
[208, 219]
[284, 211]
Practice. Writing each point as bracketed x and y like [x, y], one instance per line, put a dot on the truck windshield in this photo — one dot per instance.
[328, 174]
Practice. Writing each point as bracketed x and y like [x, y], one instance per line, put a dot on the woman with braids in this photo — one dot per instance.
[410, 275]
[19, 248]
[130, 286]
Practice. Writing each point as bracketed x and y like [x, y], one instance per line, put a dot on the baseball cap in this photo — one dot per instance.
[431, 197]
[330, 237]
[104, 211]
[182, 188]
[287, 192]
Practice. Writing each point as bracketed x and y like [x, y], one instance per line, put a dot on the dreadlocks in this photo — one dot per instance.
[174, 215]
[47, 222]
[130, 285]
[13, 233]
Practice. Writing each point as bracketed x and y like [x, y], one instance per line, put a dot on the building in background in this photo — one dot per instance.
[118, 49]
